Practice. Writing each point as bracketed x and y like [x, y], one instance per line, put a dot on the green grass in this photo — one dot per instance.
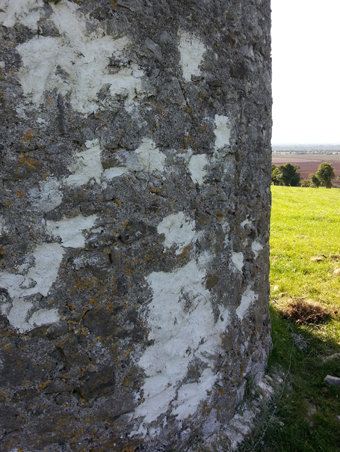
[305, 223]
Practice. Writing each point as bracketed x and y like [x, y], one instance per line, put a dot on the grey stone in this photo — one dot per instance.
[96, 384]
[333, 381]
[136, 231]
[56, 330]
[331, 357]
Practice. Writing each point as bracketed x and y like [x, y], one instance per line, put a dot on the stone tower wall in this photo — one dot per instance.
[135, 201]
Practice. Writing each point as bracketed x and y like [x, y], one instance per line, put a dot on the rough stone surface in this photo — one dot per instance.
[334, 381]
[135, 171]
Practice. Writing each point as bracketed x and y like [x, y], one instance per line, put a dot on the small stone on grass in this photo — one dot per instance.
[333, 381]
[317, 258]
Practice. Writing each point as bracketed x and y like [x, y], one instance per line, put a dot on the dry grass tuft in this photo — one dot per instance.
[335, 257]
[302, 311]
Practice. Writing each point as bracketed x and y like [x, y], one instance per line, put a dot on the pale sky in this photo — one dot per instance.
[306, 71]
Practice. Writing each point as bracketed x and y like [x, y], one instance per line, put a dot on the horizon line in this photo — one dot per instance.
[305, 144]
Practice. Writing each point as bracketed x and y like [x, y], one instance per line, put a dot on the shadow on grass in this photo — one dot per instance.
[305, 415]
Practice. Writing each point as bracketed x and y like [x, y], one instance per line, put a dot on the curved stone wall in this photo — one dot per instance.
[135, 202]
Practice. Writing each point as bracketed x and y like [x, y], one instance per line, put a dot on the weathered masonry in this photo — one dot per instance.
[135, 171]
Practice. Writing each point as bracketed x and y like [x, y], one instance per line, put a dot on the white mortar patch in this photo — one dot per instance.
[117, 171]
[248, 298]
[192, 51]
[37, 74]
[18, 314]
[25, 12]
[48, 196]
[11, 283]
[48, 257]
[190, 396]
[87, 165]
[246, 222]
[150, 158]
[196, 167]
[43, 317]
[70, 230]
[76, 63]
[5, 308]
[182, 326]
[256, 247]
[178, 230]
[237, 259]
[222, 131]
[41, 271]
[42, 274]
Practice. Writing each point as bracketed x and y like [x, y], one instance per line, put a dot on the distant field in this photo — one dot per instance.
[309, 163]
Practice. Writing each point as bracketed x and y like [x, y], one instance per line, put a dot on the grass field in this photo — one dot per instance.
[305, 252]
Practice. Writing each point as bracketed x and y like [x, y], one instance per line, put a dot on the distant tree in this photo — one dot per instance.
[314, 181]
[276, 175]
[325, 174]
[287, 174]
[291, 175]
[306, 183]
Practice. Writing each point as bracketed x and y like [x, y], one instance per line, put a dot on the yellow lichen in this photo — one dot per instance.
[28, 136]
